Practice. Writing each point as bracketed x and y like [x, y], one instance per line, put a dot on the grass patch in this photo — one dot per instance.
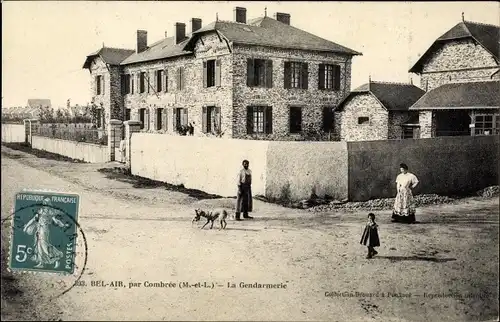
[25, 147]
[124, 175]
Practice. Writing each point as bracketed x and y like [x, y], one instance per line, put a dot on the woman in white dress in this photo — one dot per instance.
[404, 205]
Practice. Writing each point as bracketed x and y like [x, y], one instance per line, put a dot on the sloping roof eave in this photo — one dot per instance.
[125, 62]
[353, 53]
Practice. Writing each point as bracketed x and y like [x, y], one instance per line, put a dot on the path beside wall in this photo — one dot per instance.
[444, 165]
[87, 152]
[13, 133]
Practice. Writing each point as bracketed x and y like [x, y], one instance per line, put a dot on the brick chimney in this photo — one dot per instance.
[240, 14]
[180, 32]
[195, 24]
[142, 41]
[282, 17]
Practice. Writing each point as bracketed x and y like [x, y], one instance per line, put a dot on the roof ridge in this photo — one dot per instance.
[481, 23]
[118, 48]
[391, 83]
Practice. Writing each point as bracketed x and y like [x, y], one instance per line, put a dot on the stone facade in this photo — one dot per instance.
[457, 61]
[396, 120]
[312, 100]
[232, 96]
[359, 106]
[427, 120]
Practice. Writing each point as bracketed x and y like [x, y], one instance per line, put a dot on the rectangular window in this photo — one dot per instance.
[132, 83]
[259, 120]
[295, 119]
[296, 75]
[180, 79]
[142, 82]
[125, 82]
[159, 80]
[259, 73]
[99, 85]
[408, 132]
[99, 118]
[211, 122]
[487, 124]
[180, 118]
[127, 114]
[363, 120]
[159, 118]
[166, 79]
[329, 77]
[328, 119]
[142, 117]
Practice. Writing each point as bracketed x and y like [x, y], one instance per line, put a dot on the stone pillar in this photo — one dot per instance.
[114, 137]
[427, 121]
[30, 128]
[130, 127]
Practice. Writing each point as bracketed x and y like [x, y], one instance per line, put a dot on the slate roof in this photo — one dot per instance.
[392, 96]
[263, 31]
[112, 56]
[486, 35]
[35, 102]
[470, 95]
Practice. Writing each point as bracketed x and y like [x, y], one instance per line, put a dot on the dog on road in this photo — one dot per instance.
[219, 215]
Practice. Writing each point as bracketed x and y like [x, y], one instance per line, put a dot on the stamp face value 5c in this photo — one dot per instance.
[44, 232]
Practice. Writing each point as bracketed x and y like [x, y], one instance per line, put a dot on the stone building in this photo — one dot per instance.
[256, 79]
[378, 111]
[460, 74]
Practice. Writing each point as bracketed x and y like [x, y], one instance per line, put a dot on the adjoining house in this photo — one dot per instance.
[460, 73]
[378, 111]
[257, 79]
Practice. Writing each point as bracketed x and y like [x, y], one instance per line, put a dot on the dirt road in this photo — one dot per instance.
[145, 236]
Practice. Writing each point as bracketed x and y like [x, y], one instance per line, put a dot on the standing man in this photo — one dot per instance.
[123, 149]
[244, 202]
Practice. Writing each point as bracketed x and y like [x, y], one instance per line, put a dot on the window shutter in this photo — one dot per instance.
[288, 75]
[165, 119]
[102, 84]
[138, 82]
[132, 90]
[327, 119]
[122, 83]
[321, 76]
[205, 76]
[218, 73]
[336, 77]
[155, 80]
[204, 120]
[185, 118]
[179, 78]
[269, 73]
[174, 119]
[269, 119]
[305, 75]
[146, 119]
[166, 80]
[250, 72]
[249, 119]
[218, 118]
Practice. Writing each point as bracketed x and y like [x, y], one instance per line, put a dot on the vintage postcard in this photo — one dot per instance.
[250, 161]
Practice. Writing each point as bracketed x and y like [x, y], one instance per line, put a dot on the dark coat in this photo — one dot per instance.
[370, 236]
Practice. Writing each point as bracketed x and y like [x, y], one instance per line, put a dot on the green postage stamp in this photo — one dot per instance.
[44, 232]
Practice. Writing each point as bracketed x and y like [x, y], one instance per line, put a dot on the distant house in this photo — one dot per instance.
[36, 102]
[460, 72]
[378, 111]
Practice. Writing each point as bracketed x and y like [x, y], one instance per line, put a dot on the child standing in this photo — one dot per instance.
[370, 236]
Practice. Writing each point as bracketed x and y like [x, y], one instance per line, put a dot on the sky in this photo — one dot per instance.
[45, 43]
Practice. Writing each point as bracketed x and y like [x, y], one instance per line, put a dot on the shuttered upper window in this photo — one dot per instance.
[329, 77]
[212, 73]
[296, 75]
[259, 73]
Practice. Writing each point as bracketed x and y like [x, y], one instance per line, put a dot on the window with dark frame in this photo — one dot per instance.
[142, 117]
[487, 124]
[99, 118]
[328, 119]
[259, 120]
[159, 118]
[363, 120]
[159, 80]
[166, 79]
[125, 82]
[260, 73]
[408, 132]
[329, 77]
[295, 119]
[180, 118]
[127, 114]
[99, 85]
[296, 75]
[142, 82]
[211, 119]
[132, 84]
